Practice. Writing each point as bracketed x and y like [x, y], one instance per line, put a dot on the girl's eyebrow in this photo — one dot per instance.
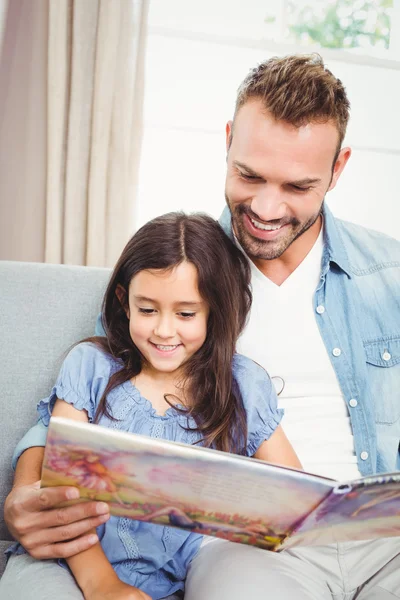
[181, 303]
[189, 303]
[144, 299]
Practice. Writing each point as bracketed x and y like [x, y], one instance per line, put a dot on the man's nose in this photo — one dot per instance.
[268, 204]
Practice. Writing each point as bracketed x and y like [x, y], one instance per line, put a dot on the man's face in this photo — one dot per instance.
[277, 177]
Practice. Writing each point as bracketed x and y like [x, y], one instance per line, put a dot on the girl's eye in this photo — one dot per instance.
[146, 311]
[186, 315]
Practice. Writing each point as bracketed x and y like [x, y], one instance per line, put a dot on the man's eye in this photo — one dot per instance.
[187, 315]
[146, 311]
[298, 188]
[251, 178]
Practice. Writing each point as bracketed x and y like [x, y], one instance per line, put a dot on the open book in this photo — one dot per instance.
[232, 497]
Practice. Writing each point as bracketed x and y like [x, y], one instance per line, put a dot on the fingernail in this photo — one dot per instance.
[104, 518]
[73, 494]
[93, 539]
[102, 508]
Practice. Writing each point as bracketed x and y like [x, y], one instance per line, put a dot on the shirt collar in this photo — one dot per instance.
[334, 248]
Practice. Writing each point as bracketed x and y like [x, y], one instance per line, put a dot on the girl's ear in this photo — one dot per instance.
[121, 294]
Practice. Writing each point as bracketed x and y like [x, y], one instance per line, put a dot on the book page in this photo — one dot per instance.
[368, 508]
[206, 491]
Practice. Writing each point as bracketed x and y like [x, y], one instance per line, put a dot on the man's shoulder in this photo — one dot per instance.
[89, 360]
[355, 231]
[368, 250]
[246, 370]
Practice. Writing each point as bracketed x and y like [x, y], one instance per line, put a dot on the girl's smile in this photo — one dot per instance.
[165, 350]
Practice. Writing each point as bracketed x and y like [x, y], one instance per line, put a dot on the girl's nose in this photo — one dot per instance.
[165, 328]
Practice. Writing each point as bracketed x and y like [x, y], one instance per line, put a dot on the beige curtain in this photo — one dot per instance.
[95, 94]
[71, 94]
[3, 15]
[23, 153]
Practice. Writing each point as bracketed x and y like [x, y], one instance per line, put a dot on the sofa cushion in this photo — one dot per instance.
[44, 309]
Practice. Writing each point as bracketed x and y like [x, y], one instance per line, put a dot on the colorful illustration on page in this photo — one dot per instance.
[180, 491]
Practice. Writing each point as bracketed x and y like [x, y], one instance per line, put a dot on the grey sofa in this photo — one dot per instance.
[44, 309]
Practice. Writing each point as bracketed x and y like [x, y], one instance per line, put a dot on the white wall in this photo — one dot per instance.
[190, 94]
[368, 192]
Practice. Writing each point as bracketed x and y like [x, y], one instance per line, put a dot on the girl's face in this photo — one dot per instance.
[167, 316]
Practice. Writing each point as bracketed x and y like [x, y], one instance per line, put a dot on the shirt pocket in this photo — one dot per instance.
[383, 364]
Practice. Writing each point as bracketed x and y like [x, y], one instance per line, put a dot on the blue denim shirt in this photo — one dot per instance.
[359, 289]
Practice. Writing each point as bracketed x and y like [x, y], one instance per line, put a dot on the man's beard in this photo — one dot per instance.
[257, 249]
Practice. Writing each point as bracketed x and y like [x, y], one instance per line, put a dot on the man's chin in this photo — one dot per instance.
[257, 249]
[260, 250]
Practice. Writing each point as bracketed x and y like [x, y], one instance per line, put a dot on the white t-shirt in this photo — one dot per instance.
[282, 335]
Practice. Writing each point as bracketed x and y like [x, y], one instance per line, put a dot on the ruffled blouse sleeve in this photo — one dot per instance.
[259, 400]
[81, 382]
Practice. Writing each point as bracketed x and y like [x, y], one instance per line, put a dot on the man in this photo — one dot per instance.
[325, 323]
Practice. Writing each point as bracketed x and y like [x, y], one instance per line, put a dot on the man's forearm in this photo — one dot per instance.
[29, 466]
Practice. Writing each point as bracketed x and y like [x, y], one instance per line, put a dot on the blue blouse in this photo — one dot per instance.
[151, 557]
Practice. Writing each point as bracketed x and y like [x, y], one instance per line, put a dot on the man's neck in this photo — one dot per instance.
[279, 269]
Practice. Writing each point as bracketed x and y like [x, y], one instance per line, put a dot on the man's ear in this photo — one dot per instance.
[228, 133]
[121, 294]
[339, 165]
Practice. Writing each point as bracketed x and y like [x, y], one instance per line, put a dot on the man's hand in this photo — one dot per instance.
[49, 532]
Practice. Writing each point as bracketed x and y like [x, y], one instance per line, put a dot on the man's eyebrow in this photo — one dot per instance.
[299, 183]
[248, 170]
[306, 181]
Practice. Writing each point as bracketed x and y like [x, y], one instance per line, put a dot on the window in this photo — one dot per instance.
[200, 50]
[368, 25]
[365, 25]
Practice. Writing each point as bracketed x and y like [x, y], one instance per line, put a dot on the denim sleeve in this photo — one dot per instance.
[36, 436]
[259, 400]
[99, 329]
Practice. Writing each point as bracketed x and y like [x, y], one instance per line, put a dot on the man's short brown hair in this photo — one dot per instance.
[297, 89]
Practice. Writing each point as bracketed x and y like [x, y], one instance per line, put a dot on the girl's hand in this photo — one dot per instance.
[116, 590]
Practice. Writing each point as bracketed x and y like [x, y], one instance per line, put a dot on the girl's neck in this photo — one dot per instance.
[161, 378]
[155, 385]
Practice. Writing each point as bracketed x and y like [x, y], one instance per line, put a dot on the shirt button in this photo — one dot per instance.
[320, 309]
[386, 355]
[353, 402]
[364, 455]
[336, 352]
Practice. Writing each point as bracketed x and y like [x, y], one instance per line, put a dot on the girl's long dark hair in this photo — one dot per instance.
[224, 283]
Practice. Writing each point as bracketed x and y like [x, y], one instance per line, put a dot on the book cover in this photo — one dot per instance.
[214, 493]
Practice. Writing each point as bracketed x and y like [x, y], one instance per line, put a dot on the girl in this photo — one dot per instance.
[175, 305]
